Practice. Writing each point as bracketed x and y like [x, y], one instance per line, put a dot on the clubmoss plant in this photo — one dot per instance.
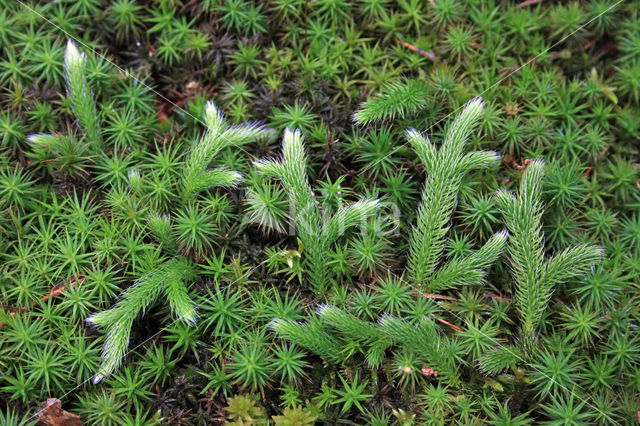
[445, 169]
[536, 276]
[196, 176]
[310, 336]
[316, 232]
[413, 320]
[168, 280]
[70, 154]
[80, 94]
[191, 233]
[396, 100]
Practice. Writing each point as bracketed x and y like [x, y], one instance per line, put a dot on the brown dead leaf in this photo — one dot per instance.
[53, 415]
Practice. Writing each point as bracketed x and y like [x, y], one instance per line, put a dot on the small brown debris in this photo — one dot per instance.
[512, 109]
[524, 165]
[53, 415]
[429, 372]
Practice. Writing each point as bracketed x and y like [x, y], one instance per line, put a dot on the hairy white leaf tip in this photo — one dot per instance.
[322, 308]
[384, 319]
[72, 55]
[210, 106]
[211, 113]
[274, 323]
[41, 138]
[504, 233]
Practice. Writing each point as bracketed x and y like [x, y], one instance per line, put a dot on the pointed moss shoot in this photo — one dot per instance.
[197, 176]
[536, 276]
[445, 169]
[316, 233]
[80, 94]
[168, 280]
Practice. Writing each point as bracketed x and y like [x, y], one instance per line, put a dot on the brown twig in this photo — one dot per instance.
[55, 291]
[527, 3]
[435, 296]
[445, 322]
[420, 51]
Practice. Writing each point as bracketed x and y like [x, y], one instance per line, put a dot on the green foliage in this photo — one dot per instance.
[243, 409]
[445, 169]
[251, 366]
[289, 363]
[193, 230]
[423, 339]
[80, 94]
[15, 187]
[357, 330]
[267, 207]
[397, 99]
[102, 408]
[375, 151]
[294, 116]
[504, 417]
[535, 276]
[567, 411]
[310, 336]
[223, 310]
[131, 387]
[196, 176]
[295, 416]
[117, 164]
[242, 16]
[352, 395]
[63, 154]
[316, 234]
[497, 360]
[167, 279]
